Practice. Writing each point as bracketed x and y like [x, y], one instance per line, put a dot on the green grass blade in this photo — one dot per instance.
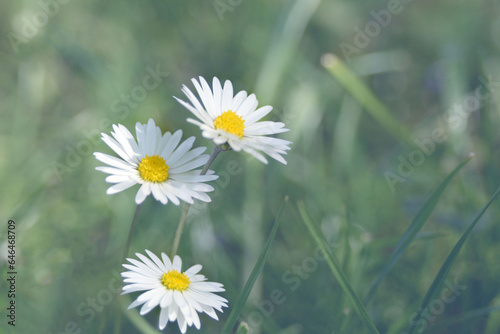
[366, 98]
[283, 49]
[445, 268]
[238, 306]
[416, 225]
[336, 269]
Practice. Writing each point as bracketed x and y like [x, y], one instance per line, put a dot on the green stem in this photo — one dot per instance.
[182, 220]
[131, 232]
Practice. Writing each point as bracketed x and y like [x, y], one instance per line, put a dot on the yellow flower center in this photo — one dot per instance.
[153, 169]
[174, 280]
[231, 123]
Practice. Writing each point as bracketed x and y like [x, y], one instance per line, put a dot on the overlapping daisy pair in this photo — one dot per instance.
[169, 170]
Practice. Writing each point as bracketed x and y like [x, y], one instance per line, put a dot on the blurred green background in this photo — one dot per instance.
[71, 68]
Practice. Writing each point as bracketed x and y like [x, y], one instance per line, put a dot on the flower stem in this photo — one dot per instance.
[182, 220]
[131, 232]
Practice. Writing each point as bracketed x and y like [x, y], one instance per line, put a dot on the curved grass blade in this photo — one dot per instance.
[366, 98]
[336, 269]
[416, 225]
[445, 268]
[238, 306]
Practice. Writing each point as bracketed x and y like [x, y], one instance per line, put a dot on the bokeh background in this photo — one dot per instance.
[71, 68]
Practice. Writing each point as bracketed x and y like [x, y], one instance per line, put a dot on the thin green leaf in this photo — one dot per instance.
[416, 225]
[336, 269]
[238, 306]
[445, 268]
[366, 98]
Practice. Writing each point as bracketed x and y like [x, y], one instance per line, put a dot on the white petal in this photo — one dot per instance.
[247, 106]
[181, 302]
[153, 302]
[181, 321]
[195, 317]
[158, 193]
[195, 122]
[140, 133]
[177, 263]
[172, 144]
[257, 115]
[217, 88]
[151, 265]
[135, 288]
[173, 193]
[120, 187]
[172, 312]
[151, 137]
[190, 156]
[200, 161]
[227, 96]
[135, 303]
[180, 151]
[167, 299]
[142, 193]
[144, 268]
[163, 142]
[265, 128]
[210, 312]
[157, 260]
[115, 171]
[209, 99]
[163, 318]
[193, 270]
[113, 161]
[119, 178]
[124, 141]
[190, 177]
[126, 133]
[115, 146]
[166, 261]
[255, 154]
[238, 99]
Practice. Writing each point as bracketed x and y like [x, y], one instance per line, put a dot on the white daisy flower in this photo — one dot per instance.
[157, 162]
[180, 295]
[225, 118]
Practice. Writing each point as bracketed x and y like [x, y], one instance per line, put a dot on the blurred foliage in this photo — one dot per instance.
[77, 71]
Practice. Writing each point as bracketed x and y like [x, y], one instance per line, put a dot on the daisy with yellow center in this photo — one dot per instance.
[157, 162]
[234, 120]
[180, 295]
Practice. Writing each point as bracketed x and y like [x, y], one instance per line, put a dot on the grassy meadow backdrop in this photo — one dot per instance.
[383, 100]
